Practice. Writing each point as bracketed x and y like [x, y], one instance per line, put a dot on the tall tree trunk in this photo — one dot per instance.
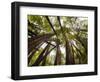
[83, 42]
[51, 25]
[58, 55]
[37, 62]
[33, 43]
[45, 56]
[69, 55]
[44, 61]
[39, 38]
[33, 52]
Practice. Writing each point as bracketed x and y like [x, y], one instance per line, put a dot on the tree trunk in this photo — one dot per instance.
[33, 43]
[45, 56]
[33, 52]
[37, 62]
[58, 55]
[69, 55]
[51, 25]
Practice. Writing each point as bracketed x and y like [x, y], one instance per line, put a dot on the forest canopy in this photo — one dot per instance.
[57, 40]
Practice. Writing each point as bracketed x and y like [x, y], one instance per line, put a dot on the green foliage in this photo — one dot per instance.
[36, 55]
[72, 31]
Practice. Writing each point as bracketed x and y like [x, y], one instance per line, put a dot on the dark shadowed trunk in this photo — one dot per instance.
[33, 52]
[58, 55]
[33, 43]
[37, 62]
[51, 25]
[45, 56]
[69, 55]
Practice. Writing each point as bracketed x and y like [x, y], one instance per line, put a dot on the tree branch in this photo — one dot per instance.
[51, 25]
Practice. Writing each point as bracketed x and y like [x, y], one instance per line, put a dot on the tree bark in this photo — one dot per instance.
[37, 62]
[51, 25]
[58, 55]
[33, 43]
[69, 55]
[45, 56]
[33, 52]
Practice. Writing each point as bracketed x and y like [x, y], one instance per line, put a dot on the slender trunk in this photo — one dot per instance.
[77, 49]
[63, 32]
[33, 43]
[39, 38]
[69, 55]
[51, 25]
[58, 55]
[33, 52]
[45, 56]
[37, 62]
[44, 61]
[82, 43]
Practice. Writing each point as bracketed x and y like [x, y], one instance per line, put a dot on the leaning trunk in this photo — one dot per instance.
[40, 58]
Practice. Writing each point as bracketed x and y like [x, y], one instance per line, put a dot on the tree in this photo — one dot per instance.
[57, 40]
